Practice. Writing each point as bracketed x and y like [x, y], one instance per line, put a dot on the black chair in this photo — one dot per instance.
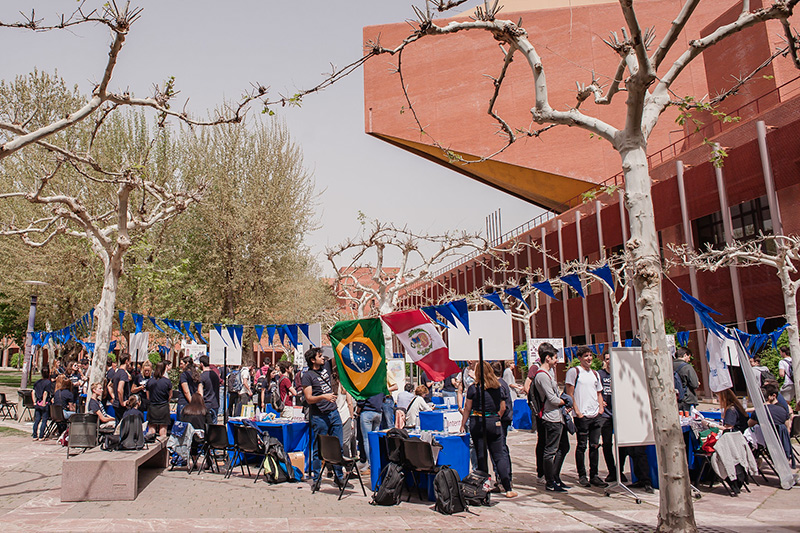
[57, 423]
[246, 440]
[83, 432]
[6, 407]
[419, 459]
[216, 440]
[27, 402]
[795, 432]
[330, 451]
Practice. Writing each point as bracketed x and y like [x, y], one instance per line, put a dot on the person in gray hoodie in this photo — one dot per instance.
[556, 436]
[683, 367]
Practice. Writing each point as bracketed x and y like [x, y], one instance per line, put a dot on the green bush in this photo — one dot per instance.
[175, 378]
[16, 360]
[154, 357]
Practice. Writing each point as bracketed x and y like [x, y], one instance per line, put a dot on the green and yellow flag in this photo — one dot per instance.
[358, 345]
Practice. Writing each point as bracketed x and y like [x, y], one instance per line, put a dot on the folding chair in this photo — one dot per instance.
[330, 451]
[27, 402]
[57, 423]
[216, 439]
[83, 432]
[246, 440]
[6, 407]
[419, 459]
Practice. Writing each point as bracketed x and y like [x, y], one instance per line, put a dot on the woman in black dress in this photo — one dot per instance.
[159, 391]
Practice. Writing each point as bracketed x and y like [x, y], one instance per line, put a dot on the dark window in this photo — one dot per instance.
[709, 231]
[579, 340]
[748, 219]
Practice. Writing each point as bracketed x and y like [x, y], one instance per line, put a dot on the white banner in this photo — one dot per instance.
[719, 378]
[494, 327]
[217, 345]
[138, 346]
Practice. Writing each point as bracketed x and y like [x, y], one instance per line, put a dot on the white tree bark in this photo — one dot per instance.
[789, 290]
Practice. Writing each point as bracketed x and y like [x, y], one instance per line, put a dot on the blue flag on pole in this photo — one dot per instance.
[574, 281]
[545, 287]
[495, 299]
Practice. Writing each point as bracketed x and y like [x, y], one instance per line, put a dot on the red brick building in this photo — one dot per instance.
[757, 188]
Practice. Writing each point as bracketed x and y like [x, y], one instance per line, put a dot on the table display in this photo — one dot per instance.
[293, 435]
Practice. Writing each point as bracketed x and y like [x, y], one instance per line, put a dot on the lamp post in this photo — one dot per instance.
[27, 366]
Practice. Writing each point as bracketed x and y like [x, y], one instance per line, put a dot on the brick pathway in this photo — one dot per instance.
[30, 482]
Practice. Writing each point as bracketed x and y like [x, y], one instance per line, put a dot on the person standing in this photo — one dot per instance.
[286, 390]
[786, 373]
[159, 392]
[246, 392]
[511, 380]
[485, 427]
[42, 395]
[449, 387]
[529, 390]
[121, 387]
[323, 415]
[370, 416]
[210, 382]
[683, 367]
[188, 384]
[607, 431]
[387, 418]
[550, 402]
[584, 387]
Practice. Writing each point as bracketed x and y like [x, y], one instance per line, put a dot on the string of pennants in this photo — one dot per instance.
[193, 330]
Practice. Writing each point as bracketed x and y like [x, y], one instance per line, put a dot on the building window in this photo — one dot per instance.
[710, 231]
[748, 219]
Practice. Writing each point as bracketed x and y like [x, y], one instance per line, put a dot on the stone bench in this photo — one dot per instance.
[98, 475]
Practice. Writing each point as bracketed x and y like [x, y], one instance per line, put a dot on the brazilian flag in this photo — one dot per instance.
[358, 345]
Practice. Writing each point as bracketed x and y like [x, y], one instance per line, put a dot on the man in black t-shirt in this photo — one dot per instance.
[324, 416]
[210, 381]
[121, 387]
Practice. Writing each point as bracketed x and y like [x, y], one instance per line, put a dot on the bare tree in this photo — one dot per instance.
[647, 80]
[363, 274]
[781, 252]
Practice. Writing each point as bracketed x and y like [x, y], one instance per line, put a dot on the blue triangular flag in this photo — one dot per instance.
[447, 313]
[760, 323]
[291, 330]
[431, 312]
[574, 281]
[614, 344]
[270, 334]
[604, 273]
[304, 329]
[495, 299]
[121, 318]
[231, 332]
[259, 332]
[198, 327]
[601, 348]
[545, 287]
[91, 314]
[159, 328]
[138, 321]
[238, 331]
[516, 292]
[111, 346]
[187, 326]
[282, 332]
[461, 311]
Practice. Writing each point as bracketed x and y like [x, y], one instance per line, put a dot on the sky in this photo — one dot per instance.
[216, 50]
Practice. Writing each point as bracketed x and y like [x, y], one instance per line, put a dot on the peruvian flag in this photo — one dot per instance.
[422, 342]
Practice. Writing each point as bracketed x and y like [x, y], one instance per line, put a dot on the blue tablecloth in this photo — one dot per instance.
[454, 453]
[712, 415]
[293, 435]
[438, 400]
[522, 415]
[690, 441]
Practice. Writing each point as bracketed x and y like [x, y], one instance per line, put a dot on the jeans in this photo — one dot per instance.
[641, 468]
[40, 415]
[388, 413]
[324, 424]
[178, 410]
[607, 433]
[555, 450]
[540, 442]
[496, 443]
[213, 414]
[588, 430]
[370, 421]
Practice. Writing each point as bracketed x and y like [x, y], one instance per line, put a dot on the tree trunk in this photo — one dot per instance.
[615, 306]
[675, 506]
[790, 306]
[104, 315]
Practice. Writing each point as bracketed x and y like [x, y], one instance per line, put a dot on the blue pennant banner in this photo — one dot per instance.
[138, 322]
[574, 281]
[495, 299]
[760, 323]
[187, 327]
[291, 331]
[159, 328]
[516, 292]
[461, 311]
[270, 334]
[304, 329]
[121, 318]
[447, 313]
[431, 312]
[259, 332]
[604, 273]
[546, 288]
[198, 327]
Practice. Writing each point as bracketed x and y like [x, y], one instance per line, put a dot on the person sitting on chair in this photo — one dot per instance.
[106, 421]
[63, 396]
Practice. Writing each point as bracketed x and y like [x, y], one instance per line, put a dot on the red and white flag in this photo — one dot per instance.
[422, 342]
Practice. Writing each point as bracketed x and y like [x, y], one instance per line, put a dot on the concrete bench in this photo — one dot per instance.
[98, 475]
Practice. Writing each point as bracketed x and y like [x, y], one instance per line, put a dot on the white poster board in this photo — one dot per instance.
[218, 343]
[299, 355]
[194, 350]
[671, 345]
[397, 367]
[138, 346]
[533, 349]
[314, 336]
[494, 327]
[633, 422]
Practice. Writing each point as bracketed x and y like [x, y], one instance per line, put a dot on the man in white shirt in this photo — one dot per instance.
[584, 386]
[786, 373]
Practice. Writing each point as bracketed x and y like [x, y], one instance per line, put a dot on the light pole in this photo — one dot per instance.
[28, 362]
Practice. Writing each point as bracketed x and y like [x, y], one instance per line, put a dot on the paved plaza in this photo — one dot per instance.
[30, 480]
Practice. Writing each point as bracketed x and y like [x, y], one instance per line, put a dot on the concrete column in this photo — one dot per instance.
[564, 308]
[584, 304]
[606, 302]
[632, 295]
[727, 227]
[689, 240]
[769, 181]
[546, 276]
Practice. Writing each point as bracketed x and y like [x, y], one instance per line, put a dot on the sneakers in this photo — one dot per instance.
[553, 487]
[584, 481]
[562, 484]
[597, 482]
[541, 480]
[511, 494]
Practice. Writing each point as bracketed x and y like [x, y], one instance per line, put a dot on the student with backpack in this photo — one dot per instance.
[583, 384]
[547, 405]
[786, 372]
[285, 390]
[233, 384]
[688, 379]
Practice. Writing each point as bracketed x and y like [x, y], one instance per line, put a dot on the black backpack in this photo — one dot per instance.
[276, 462]
[131, 436]
[390, 485]
[474, 490]
[447, 488]
[274, 390]
[766, 375]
